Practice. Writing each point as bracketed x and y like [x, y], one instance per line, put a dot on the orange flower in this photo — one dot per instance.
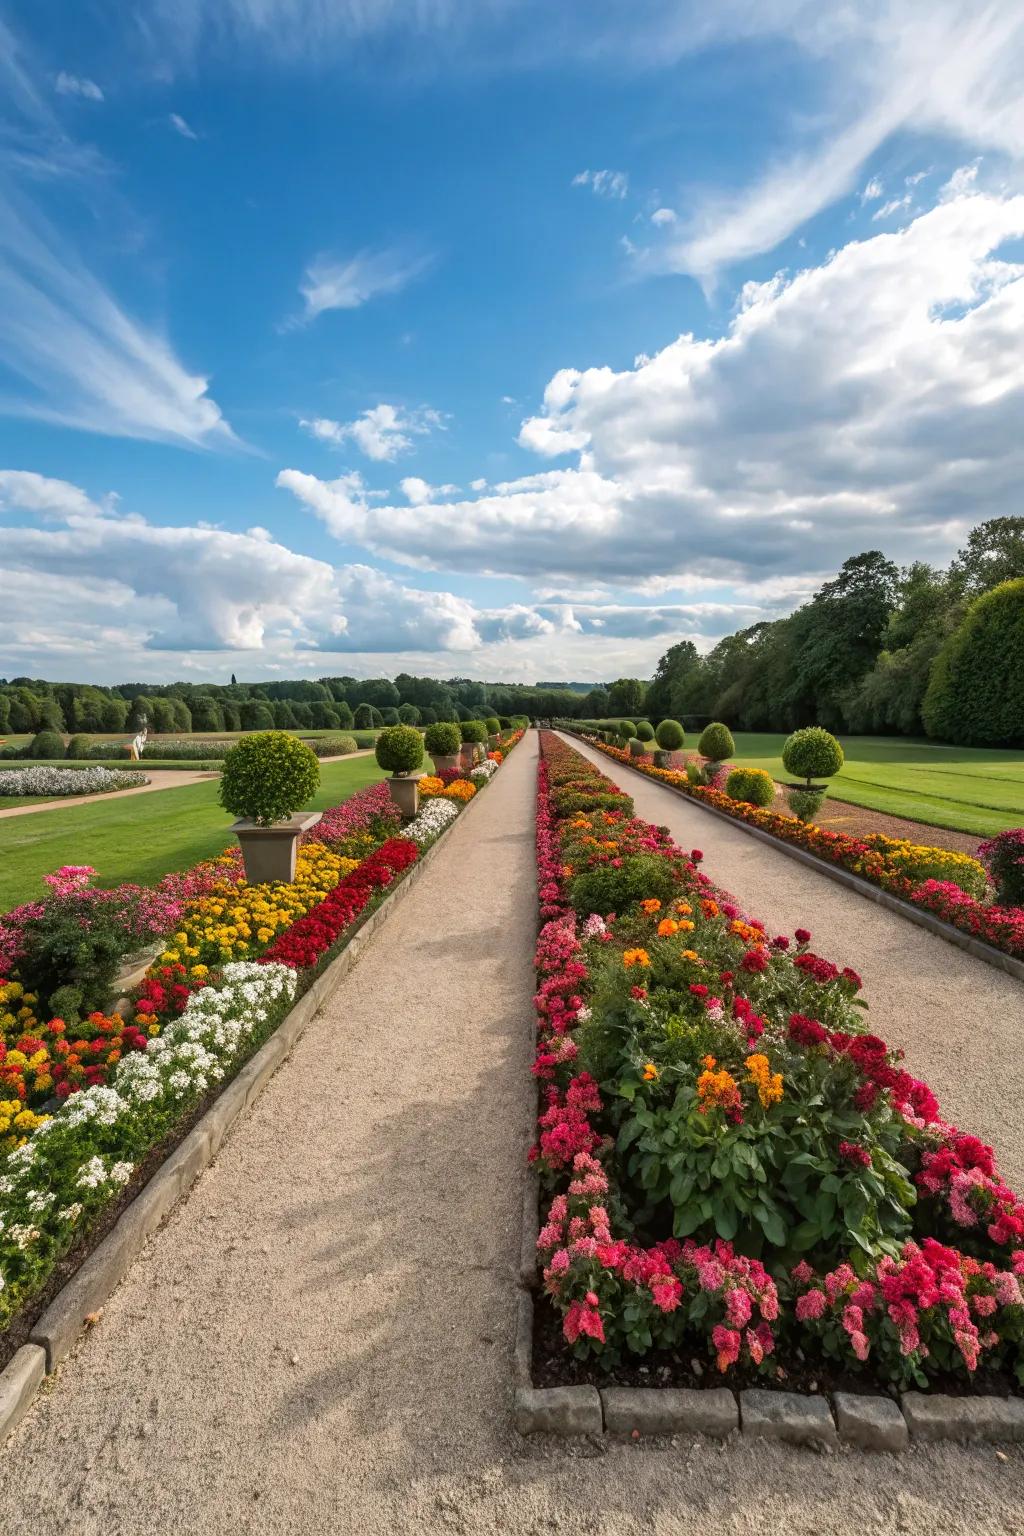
[691, 954]
[685, 926]
[633, 957]
[684, 908]
[709, 907]
[718, 1090]
[667, 927]
[650, 1072]
[651, 905]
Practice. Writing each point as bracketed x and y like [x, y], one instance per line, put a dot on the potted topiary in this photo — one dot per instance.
[264, 780]
[399, 749]
[443, 741]
[493, 727]
[474, 734]
[715, 745]
[644, 730]
[812, 753]
[671, 738]
[626, 730]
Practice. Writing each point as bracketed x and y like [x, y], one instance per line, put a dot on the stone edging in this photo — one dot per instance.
[102, 1271]
[918, 915]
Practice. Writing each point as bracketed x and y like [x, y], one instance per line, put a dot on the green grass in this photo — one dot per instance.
[140, 838]
[968, 789]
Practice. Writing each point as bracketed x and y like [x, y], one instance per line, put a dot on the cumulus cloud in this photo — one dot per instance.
[604, 183]
[77, 85]
[382, 432]
[348, 283]
[419, 492]
[873, 400]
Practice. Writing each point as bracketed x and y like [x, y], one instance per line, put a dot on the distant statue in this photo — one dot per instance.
[140, 741]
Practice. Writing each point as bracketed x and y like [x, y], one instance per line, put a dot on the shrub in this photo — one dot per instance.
[606, 889]
[390, 716]
[442, 739]
[473, 731]
[399, 749]
[267, 777]
[173, 751]
[493, 725]
[46, 744]
[333, 746]
[363, 718]
[637, 748]
[670, 736]
[812, 753]
[976, 686]
[805, 803]
[505, 721]
[78, 747]
[408, 714]
[751, 785]
[574, 799]
[645, 731]
[716, 742]
[520, 722]
[1003, 857]
[626, 729]
[694, 775]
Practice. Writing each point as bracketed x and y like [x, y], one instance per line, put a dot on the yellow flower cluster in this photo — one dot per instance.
[236, 922]
[16, 1123]
[920, 862]
[631, 957]
[460, 789]
[767, 1082]
[17, 1008]
[430, 786]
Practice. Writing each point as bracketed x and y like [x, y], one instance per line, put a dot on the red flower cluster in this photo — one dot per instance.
[306, 941]
[165, 993]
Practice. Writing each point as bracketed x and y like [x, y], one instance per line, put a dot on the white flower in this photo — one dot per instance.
[67, 781]
[22, 1236]
[70, 1214]
[122, 1172]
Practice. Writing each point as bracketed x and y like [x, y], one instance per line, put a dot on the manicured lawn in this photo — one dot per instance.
[142, 837]
[968, 789]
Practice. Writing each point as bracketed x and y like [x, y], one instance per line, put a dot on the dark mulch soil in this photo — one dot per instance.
[554, 1366]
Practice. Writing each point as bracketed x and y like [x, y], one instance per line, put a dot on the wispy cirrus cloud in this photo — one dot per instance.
[613, 184]
[77, 85]
[183, 129]
[349, 282]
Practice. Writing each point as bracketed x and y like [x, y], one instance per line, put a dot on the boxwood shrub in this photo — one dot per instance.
[670, 736]
[268, 776]
[716, 742]
[812, 753]
[442, 739]
[607, 889]
[473, 731]
[626, 729]
[645, 731]
[751, 785]
[399, 749]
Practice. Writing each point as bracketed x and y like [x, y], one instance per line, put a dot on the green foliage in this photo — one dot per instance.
[670, 736]
[363, 718]
[626, 696]
[637, 748]
[47, 744]
[976, 691]
[751, 785]
[645, 730]
[716, 742]
[607, 889]
[78, 747]
[62, 951]
[390, 716]
[812, 753]
[1003, 857]
[473, 731]
[493, 725]
[626, 729]
[805, 803]
[408, 714]
[333, 746]
[399, 749]
[694, 774]
[268, 777]
[442, 739]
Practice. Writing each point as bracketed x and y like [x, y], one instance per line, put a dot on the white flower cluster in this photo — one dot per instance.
[431, 821]
[484, 770]
[67, 781]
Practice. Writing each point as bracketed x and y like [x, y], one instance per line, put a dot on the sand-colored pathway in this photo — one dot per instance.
[960, 1021]
[319, 1339]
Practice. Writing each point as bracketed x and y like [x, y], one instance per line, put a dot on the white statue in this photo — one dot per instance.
[140, 741]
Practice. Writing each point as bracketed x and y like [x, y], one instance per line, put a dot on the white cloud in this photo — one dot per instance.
[875, 400]
[418, 492]
[873, 191]
[333, 283]
[890, 206]
[181, 127]
[604, 183]
[382, 432]
[77, 85]
[663, 216]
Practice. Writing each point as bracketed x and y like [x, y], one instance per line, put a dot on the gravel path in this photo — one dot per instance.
[960, 1021]
[319, 1339]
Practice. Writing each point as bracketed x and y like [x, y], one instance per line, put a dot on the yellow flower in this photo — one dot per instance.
[650, 1072]
[633, 957]
[767, 1082]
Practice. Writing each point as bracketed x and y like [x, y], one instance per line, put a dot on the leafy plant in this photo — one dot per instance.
[46, 744]
[812, 753]
[645, 731]
[1003, 857]
[606, 889]
[805, 803]
[626, 729]
[473, 731]
[78, 747]
[399, 749]
[442, 739]
[716, 742]
[493, 725]
[267, 777]
[670, 736]
[637, 747]
[751, 785]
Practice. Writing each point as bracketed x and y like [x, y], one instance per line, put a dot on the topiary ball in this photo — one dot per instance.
[399, 749]
[670, 736]
[442, 739]
[78, 746]
[493, 725]
[812, 753]
[626, 729]
[48, 744]
[267, 777]
[473, 731]
[716, 742]
[645, 731]
[751, 785]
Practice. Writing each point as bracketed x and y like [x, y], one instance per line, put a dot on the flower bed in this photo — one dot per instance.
[953, 885]
[734, 1171]
[68, 781]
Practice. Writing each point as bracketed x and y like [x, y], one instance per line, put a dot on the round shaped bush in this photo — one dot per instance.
[636, 747]
[473, 731]
[752, 785]
[399, 749]
[442, 739]
[805, 803]
[716, 742]
[46, 744]
[493, 725]
[645, 731]
[670, 736]
[626, 729]
[78, 746]
[812, 753]
[268, 776]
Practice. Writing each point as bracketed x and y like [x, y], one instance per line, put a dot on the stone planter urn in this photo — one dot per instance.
[493, 743]
[405, 792]
[467, 757]
[443, 760]
[269, 852]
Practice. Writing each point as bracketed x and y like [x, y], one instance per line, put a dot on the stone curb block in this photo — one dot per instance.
[938, 1417]
[786, 1416]
[558, 1411]
[522, 1354]
[874, 1423]
[670, 1411]
[57, 1329]
[923, 919]
[19, 1382]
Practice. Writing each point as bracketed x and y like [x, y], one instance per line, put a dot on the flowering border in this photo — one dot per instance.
[989, 932]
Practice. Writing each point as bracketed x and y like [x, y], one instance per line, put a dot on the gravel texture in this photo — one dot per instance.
[319, 1339]
[960, 1021]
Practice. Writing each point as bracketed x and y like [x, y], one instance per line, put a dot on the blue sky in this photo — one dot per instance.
[490, 338]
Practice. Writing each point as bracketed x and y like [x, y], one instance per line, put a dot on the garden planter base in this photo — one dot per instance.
[405, 792]
[269, 852]
[443, 760]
